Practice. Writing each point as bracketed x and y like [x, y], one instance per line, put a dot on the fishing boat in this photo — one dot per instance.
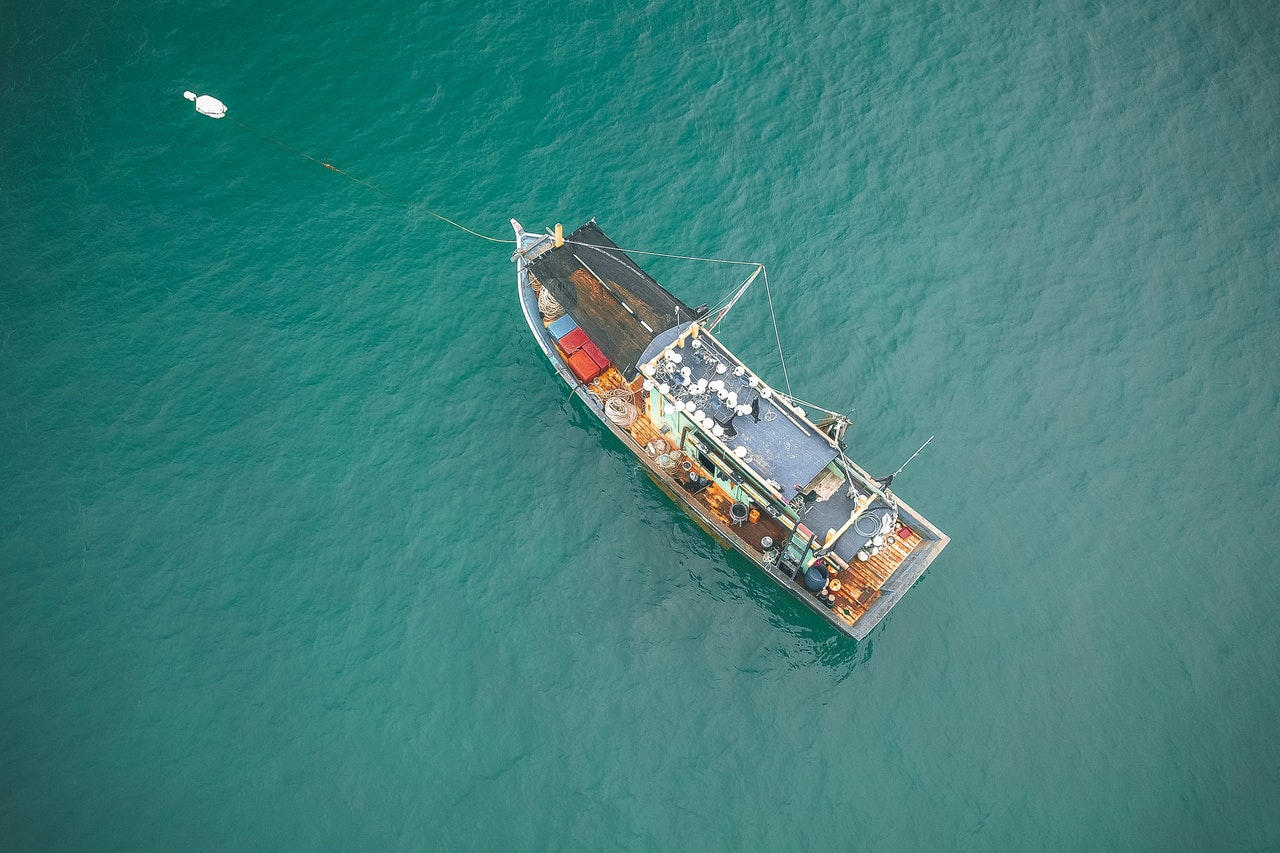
[744, 459]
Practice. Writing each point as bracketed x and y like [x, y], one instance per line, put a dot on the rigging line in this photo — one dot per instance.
[737, 292]
[717, 307]
[723, 310]
[733, 295]
[776, 336]
[406, 202]
[724, 300]
[798, 401]
[663, 254]
[722, 303]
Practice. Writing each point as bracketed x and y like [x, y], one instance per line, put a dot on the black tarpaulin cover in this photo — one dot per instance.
[615, 302]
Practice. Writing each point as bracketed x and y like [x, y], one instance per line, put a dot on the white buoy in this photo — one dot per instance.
[740, 452]
[766, 393]
[733, 400]
[699, 415]
[664, 388]
[648, 370]
[753, 382]
[717, 431]
[207, 104]
[647, 384]
[720, 368]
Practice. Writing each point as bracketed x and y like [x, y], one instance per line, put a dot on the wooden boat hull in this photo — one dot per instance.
[856, 621]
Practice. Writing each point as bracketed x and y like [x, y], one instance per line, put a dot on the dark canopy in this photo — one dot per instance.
[615, 302]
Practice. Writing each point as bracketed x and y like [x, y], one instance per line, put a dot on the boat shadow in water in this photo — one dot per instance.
[811, 637]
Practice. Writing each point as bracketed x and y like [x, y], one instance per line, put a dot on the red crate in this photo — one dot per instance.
[594, 351]
[583, 366]
[574, 341]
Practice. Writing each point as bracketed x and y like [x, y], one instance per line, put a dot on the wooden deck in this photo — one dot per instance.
[860, 583]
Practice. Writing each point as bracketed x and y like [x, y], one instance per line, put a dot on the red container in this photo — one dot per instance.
[583, 366]
[574, 341]
[594, 351]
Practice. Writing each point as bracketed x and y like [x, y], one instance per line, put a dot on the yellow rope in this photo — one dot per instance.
[406, 202]
[443, 218]
[423, 208]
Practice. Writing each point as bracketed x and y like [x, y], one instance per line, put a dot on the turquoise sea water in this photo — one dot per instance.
[302, 545]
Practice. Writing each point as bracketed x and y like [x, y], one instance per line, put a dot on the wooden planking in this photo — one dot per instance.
[750, 531]
[861, 582]
[644, 431]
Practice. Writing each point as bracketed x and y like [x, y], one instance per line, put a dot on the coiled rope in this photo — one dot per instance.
[548, 305]
[619, 409]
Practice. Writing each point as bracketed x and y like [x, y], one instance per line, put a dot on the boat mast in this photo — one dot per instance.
[733, 300]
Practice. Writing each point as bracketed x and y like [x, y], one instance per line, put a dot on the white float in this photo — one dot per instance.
[207, 105]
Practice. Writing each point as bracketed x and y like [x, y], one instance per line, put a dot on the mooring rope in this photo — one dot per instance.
[381, 191]
[419, 206]
[440, 216]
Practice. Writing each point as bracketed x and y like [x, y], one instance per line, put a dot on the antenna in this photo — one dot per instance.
[888, 480]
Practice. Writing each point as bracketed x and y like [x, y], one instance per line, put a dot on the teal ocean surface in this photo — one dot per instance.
[303, 546]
